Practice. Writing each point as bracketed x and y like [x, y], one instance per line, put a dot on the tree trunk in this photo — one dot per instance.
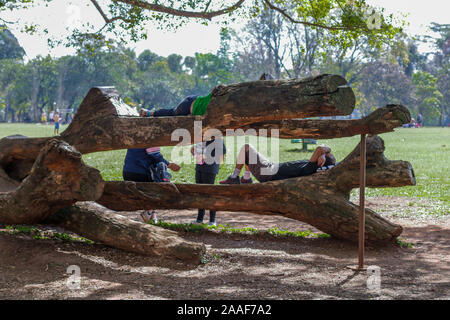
[320, 200]
[97, 223]
[44, 175]
[57, 179]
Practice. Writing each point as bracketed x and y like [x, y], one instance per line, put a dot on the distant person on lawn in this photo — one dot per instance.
[56, 121]
[264, 170]
[420, 120]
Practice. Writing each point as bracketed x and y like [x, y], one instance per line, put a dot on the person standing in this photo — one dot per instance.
[420, 120]
[44, 118]
[56, 121]
[208, 157]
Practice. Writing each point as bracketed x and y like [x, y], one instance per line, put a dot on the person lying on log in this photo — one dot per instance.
[147, 165]
[264, 170]
[191, 105]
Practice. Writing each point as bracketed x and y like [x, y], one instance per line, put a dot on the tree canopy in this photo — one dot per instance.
[345, 20]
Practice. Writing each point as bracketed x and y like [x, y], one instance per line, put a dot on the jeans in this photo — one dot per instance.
[183, 109]
[205, 178]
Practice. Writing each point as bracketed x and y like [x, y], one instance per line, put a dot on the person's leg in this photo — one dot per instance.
[184, 108]
[210, 178]
[137, 177]
[254, 162]
[164, 113]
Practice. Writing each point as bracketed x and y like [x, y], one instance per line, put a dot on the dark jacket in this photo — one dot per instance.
[140, 160]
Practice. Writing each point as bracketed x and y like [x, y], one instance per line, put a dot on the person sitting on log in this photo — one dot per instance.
[264, 170]
[147, 165]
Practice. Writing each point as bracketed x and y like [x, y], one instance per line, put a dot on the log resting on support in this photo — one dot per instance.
[91, 133]
[321, 200]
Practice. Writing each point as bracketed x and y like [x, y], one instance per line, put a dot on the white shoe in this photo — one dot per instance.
[153, 217]
[212, 224]
[196, 222]
[149, 215]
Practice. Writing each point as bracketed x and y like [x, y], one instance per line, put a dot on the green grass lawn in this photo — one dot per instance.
[427, 149]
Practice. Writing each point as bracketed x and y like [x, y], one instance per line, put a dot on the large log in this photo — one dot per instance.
[382, 120]
[57, 179]
[17, 153]
[104, 122]
[321, 200]
[97, 223]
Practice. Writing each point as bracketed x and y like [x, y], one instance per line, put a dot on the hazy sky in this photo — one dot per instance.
[193, 37]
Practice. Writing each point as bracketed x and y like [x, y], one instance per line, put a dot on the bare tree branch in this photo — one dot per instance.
[182, 13]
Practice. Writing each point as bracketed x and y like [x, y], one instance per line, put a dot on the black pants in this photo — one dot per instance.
[136, 177]
[205, 178]
[183, 109]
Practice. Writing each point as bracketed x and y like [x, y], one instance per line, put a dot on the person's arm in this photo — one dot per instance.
[156, 157]
[319, 155]
[173, 166]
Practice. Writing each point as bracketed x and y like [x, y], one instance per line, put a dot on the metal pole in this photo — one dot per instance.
[362, 188]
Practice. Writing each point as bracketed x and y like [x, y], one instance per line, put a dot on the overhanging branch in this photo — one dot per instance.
[182, 13]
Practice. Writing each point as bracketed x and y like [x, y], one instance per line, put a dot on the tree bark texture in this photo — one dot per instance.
[57, 179]
[321, 200]
[97, 223]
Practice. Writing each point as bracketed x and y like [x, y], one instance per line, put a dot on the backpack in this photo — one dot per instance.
[159, 172]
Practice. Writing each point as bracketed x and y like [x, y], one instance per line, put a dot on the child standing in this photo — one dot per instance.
[56, 120]
[208, 156]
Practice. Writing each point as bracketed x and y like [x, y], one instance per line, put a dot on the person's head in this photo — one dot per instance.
[330, 160]
[266, 76]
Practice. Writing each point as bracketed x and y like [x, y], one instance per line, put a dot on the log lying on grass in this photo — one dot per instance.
[57, 179]
[321, 200]
[97, 223]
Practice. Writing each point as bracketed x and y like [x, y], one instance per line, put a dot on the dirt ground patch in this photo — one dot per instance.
[237, 266]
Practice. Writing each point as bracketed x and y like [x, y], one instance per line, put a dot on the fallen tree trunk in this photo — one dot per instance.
[382, 120]
[320, 200]
[97, 223]
[57, 179]
[17, 153]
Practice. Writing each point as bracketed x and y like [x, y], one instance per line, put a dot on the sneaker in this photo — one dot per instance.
[149, 215]
[153, 217]
[144, 112]
[246, 181]
[197, 222]
[230, 180]
[211, 224]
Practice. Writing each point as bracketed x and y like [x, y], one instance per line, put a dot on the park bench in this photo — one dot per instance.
[304, 142]
[51, 184]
